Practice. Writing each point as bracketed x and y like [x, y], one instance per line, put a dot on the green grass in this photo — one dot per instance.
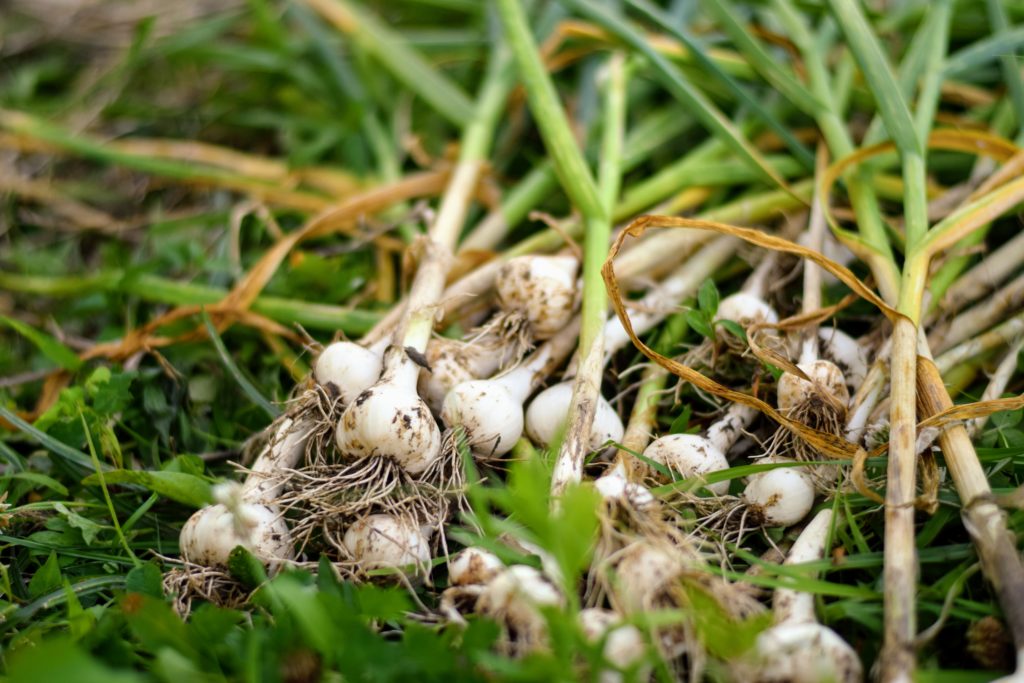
[98, 481]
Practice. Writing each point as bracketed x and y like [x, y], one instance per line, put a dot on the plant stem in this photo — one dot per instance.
[166, 291]
[587, 383]
[428, 287]
[984, 521]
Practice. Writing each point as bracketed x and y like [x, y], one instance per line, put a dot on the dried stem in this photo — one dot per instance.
[984, 521]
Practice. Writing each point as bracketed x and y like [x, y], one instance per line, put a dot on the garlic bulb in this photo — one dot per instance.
[746, 309]
[390, 419]
[541, 288]
[846, 353]
[614, 487]
[691, 456]
[514, 597]
[643, 571]
[246, 515]
[453, 362]
[798, 648]
[474, 566]
[349, 367]
[795, 391]
[624, 644]
[780, 497]
[210, 534]
[806, 653]
[387, 541]
[491, 410]
[547, 413]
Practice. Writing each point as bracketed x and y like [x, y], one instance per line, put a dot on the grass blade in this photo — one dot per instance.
[59, 448]
[405, 64]
[748, 99]
[696, 103]
[247, 387]
[878, 74]
[762, 61]
[572, 170]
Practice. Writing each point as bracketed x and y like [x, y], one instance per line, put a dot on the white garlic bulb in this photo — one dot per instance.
[745, 309]
[349, 367]
[541, 288]
[390, 419]
[794, 391]
[387, 541]
[781, 497]
[624, 644]
[691, 456]
[211, 533]
[474, 566]
[846, 353]
[547, 413]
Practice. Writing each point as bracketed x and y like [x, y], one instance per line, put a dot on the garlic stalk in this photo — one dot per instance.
[491, 410]
[389, 419]
[798, 648]
[247, 515]
[819, 400]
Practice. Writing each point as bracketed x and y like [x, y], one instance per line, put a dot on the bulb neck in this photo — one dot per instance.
[797, 607]
[724, 434]
[399, 369]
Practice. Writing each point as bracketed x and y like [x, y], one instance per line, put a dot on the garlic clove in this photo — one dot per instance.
[474, 566]
[781, 497]
[351, 368]
[691, 456]
[488, 412]
[387, 541]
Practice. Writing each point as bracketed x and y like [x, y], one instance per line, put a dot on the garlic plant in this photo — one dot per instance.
[248, 515]
[798, 648]
[390, 419]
